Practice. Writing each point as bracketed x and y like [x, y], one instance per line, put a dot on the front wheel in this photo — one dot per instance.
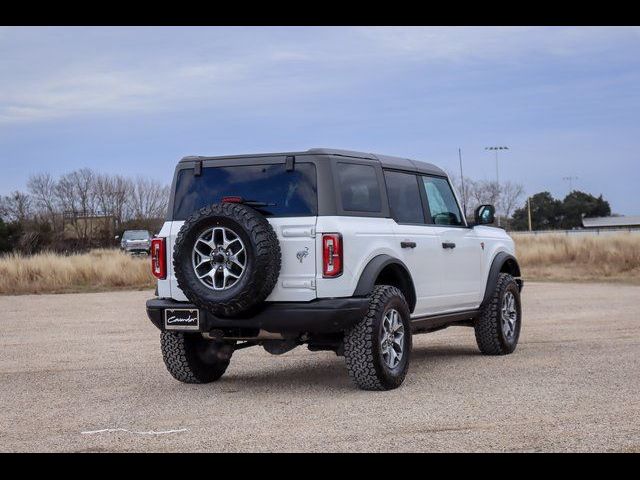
[190, 358]
[498, 326]
[377, 349]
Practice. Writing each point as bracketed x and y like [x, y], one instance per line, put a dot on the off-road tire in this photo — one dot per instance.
[263, 259]
[362, 351]
[193, 359]
[488, 327]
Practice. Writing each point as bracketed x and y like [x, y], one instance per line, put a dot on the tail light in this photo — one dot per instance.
[158, 258]
[331, 255]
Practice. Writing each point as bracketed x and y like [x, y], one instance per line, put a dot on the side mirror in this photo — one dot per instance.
[485, 214]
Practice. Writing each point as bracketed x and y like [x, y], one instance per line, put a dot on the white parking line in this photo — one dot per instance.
[151, 432]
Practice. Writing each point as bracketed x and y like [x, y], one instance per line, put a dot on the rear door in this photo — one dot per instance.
[290, 205]
[417, 243]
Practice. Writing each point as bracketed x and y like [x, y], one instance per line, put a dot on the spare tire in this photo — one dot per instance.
[226, 258]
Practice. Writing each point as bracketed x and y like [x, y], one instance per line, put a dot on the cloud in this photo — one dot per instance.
[71, 80]
[55, 73]
[82, 91]
[503, 44]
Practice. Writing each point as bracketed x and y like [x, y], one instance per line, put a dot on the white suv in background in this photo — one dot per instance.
[339, 250]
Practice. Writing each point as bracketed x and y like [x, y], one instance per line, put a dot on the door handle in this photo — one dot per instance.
[448, 245]
[408, 244]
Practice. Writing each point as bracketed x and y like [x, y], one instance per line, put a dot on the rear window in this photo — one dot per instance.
[136, 235]
[286, 194]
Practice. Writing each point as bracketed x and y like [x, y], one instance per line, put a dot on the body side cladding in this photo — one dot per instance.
[387, 265]
[502, 262]
[432, 323]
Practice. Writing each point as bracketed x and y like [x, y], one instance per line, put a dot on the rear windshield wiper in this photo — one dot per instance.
[251, 203]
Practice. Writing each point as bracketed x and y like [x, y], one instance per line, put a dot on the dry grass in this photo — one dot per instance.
[52, 273]
[543, 257]
[584, 258]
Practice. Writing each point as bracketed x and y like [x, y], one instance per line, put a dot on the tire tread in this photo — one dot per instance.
[182, 362]
[487, 326]
[359, 341]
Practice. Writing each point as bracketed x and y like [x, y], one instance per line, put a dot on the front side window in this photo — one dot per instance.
[359, 188]
[404, 197]
[442, 202]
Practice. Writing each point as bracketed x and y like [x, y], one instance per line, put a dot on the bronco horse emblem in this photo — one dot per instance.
[302, 253]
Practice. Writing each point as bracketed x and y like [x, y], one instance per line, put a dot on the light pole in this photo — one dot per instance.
[497, 172]
[570, 180]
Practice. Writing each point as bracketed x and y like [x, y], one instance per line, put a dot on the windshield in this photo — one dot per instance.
[136, 235]
[276, 191]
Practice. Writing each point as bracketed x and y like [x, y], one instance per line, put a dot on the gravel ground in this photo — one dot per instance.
[84, 362]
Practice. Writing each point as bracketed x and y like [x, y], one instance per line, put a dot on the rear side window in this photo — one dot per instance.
[404, 197]
[359, 188]
[284, 194]
[442, 202]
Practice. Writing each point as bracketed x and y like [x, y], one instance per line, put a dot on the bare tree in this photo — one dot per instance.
[505, 197]
[88, 203]
[16, 206]
[111, 195]
[484, 192]
[84, 182]
[65, 195]
[510, 196]
[42, 188]
[148, 198]
[122, 188]
[75, 192]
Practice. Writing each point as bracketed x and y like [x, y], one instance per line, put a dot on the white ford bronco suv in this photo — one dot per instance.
[339, 250]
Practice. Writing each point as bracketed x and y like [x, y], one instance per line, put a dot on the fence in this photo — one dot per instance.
[579, 232]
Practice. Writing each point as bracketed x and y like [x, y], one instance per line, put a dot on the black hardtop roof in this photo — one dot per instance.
[386, 160]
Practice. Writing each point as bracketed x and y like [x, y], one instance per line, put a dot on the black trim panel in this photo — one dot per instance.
[372, 270]
[436, 322]
[498, 261]
[318, 316]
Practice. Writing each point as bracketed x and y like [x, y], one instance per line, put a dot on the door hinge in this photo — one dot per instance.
[197, 168]
[309, 284]
[299, 232]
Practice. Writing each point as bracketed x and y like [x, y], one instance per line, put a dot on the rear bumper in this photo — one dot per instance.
[317, 316]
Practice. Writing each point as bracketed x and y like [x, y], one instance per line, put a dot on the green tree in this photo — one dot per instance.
[5, 244]
[578, 204]
[546, 213]
[9, 234]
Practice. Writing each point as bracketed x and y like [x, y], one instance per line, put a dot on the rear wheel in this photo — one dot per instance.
[377, 349]
[190, 358]
[498, 326]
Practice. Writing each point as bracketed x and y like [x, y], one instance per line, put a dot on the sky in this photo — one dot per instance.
[134, 100]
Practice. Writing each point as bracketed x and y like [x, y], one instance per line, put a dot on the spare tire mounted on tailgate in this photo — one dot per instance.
[226, 258]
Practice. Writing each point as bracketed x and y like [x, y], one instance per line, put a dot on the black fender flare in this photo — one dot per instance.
[499, 261]
[376, 265]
